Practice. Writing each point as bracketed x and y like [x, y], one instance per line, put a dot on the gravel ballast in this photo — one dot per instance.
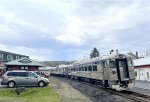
[78, 92]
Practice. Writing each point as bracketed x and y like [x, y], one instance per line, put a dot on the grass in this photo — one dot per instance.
[35, 94]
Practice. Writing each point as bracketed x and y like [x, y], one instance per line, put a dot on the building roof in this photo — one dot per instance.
[46, 68]
[13, 53]
[142, 61]
[25, 62]
[2, 66]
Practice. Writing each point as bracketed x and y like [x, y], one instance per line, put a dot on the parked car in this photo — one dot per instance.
[38, 73]
[23, 78]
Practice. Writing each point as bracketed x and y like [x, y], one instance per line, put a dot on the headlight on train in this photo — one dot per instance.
[113, 72]
[131, 81]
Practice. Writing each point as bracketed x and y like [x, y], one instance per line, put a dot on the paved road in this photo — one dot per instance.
[142, 84]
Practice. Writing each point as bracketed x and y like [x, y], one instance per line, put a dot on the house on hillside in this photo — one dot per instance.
[142, 68]
[8, 56]
[23, 64]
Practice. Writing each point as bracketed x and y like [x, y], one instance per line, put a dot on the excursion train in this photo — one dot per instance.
[114, 71]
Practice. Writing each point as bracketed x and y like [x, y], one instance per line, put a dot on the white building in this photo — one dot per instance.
[46, 70]
[142, 68]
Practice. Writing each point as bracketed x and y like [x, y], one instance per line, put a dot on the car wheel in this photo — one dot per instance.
[41, 84]
[11, 84]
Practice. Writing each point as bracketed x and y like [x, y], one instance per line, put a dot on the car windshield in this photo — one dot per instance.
[38, 73]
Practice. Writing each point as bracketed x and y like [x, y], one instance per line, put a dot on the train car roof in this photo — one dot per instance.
[119, 55]
[61, 66]
[43, 68]
[98, 59]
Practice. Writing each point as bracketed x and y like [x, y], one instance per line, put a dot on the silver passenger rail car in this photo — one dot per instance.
[113, 71]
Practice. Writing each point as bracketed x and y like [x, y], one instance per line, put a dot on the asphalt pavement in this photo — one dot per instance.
[142, 84]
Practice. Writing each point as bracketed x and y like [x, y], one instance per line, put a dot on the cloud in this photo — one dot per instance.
[36, 54]
[65, 29]
[97, 19]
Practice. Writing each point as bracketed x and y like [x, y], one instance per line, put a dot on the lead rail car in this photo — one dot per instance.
[114, 71]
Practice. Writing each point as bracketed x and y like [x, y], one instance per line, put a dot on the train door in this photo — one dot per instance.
[105, 70]
[122, 69]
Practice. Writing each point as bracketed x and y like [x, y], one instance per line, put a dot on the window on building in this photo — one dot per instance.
[24, 67]
[9, 57]
[1, 56]
[17, 57]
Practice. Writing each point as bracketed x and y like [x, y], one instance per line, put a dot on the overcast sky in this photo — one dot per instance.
[69, 29]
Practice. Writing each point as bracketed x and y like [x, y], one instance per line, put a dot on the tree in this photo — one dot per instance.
[94, 53]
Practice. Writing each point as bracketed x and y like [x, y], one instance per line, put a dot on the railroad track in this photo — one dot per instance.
[137, 97]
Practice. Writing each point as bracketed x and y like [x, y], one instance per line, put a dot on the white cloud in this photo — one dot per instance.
[73, 33]
[103, 24]
[35, 54]
[79, 24]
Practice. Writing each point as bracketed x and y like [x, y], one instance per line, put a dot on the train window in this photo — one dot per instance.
[85, 68]
[89, 68]
[112, 64]
[94, 68]
[130, 63]
[104, 64]
[71, 69]
[121, 64]
[136, 73]
[82, 68]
